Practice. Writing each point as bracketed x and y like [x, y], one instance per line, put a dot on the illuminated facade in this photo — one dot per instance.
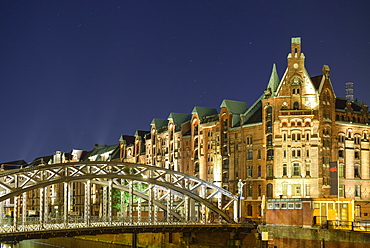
[280, 147]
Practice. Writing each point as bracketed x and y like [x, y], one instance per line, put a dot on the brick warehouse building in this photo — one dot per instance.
[280, 147]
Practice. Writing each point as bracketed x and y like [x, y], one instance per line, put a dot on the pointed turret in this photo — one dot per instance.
[273, 83]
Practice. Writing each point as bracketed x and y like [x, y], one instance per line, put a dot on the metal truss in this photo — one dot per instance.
[149, 194]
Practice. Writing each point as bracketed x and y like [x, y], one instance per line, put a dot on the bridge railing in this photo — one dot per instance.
[33, 223]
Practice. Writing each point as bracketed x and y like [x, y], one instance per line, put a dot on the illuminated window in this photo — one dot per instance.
[357, 190]
[341, 190]
[357, 211]
[341, 170]
[308, 170]
[296, 169]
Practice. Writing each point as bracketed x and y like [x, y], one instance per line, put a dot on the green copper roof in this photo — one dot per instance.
[234, 107]
[357, 102]
[101, 149]
[251, 112]
[178, 119]
[296, 40]
[274, 80]
[202, 111]
[159, 122]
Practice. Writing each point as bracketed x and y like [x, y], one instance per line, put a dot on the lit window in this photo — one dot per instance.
[308, 170]
[358, 211]
[296, 169]
[341, 190]
[357, 190]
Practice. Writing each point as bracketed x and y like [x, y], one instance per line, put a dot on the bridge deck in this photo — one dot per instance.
[73, 230]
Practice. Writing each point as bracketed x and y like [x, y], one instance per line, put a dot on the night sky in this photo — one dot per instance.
[77, 73]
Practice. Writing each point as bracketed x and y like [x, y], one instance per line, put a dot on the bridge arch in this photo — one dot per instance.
[172, 192]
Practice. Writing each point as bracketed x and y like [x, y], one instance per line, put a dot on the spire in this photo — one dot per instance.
[274, 81]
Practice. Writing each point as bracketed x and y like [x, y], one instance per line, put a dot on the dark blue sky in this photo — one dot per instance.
[75, 73]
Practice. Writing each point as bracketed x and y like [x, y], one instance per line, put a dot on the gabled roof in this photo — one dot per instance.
[203, 112]
[178, 119]
[357, 105]
[159, 122]
[317, 81]
[40, 160]
[234, 107]
[101, 149]
[254, 113]
[341, 103]
[127, 139]
[141, 133]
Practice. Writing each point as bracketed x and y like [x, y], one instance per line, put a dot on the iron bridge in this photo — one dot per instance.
[82, 198]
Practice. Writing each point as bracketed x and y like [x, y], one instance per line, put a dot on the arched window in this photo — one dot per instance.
[269, 189]
[295, 105]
